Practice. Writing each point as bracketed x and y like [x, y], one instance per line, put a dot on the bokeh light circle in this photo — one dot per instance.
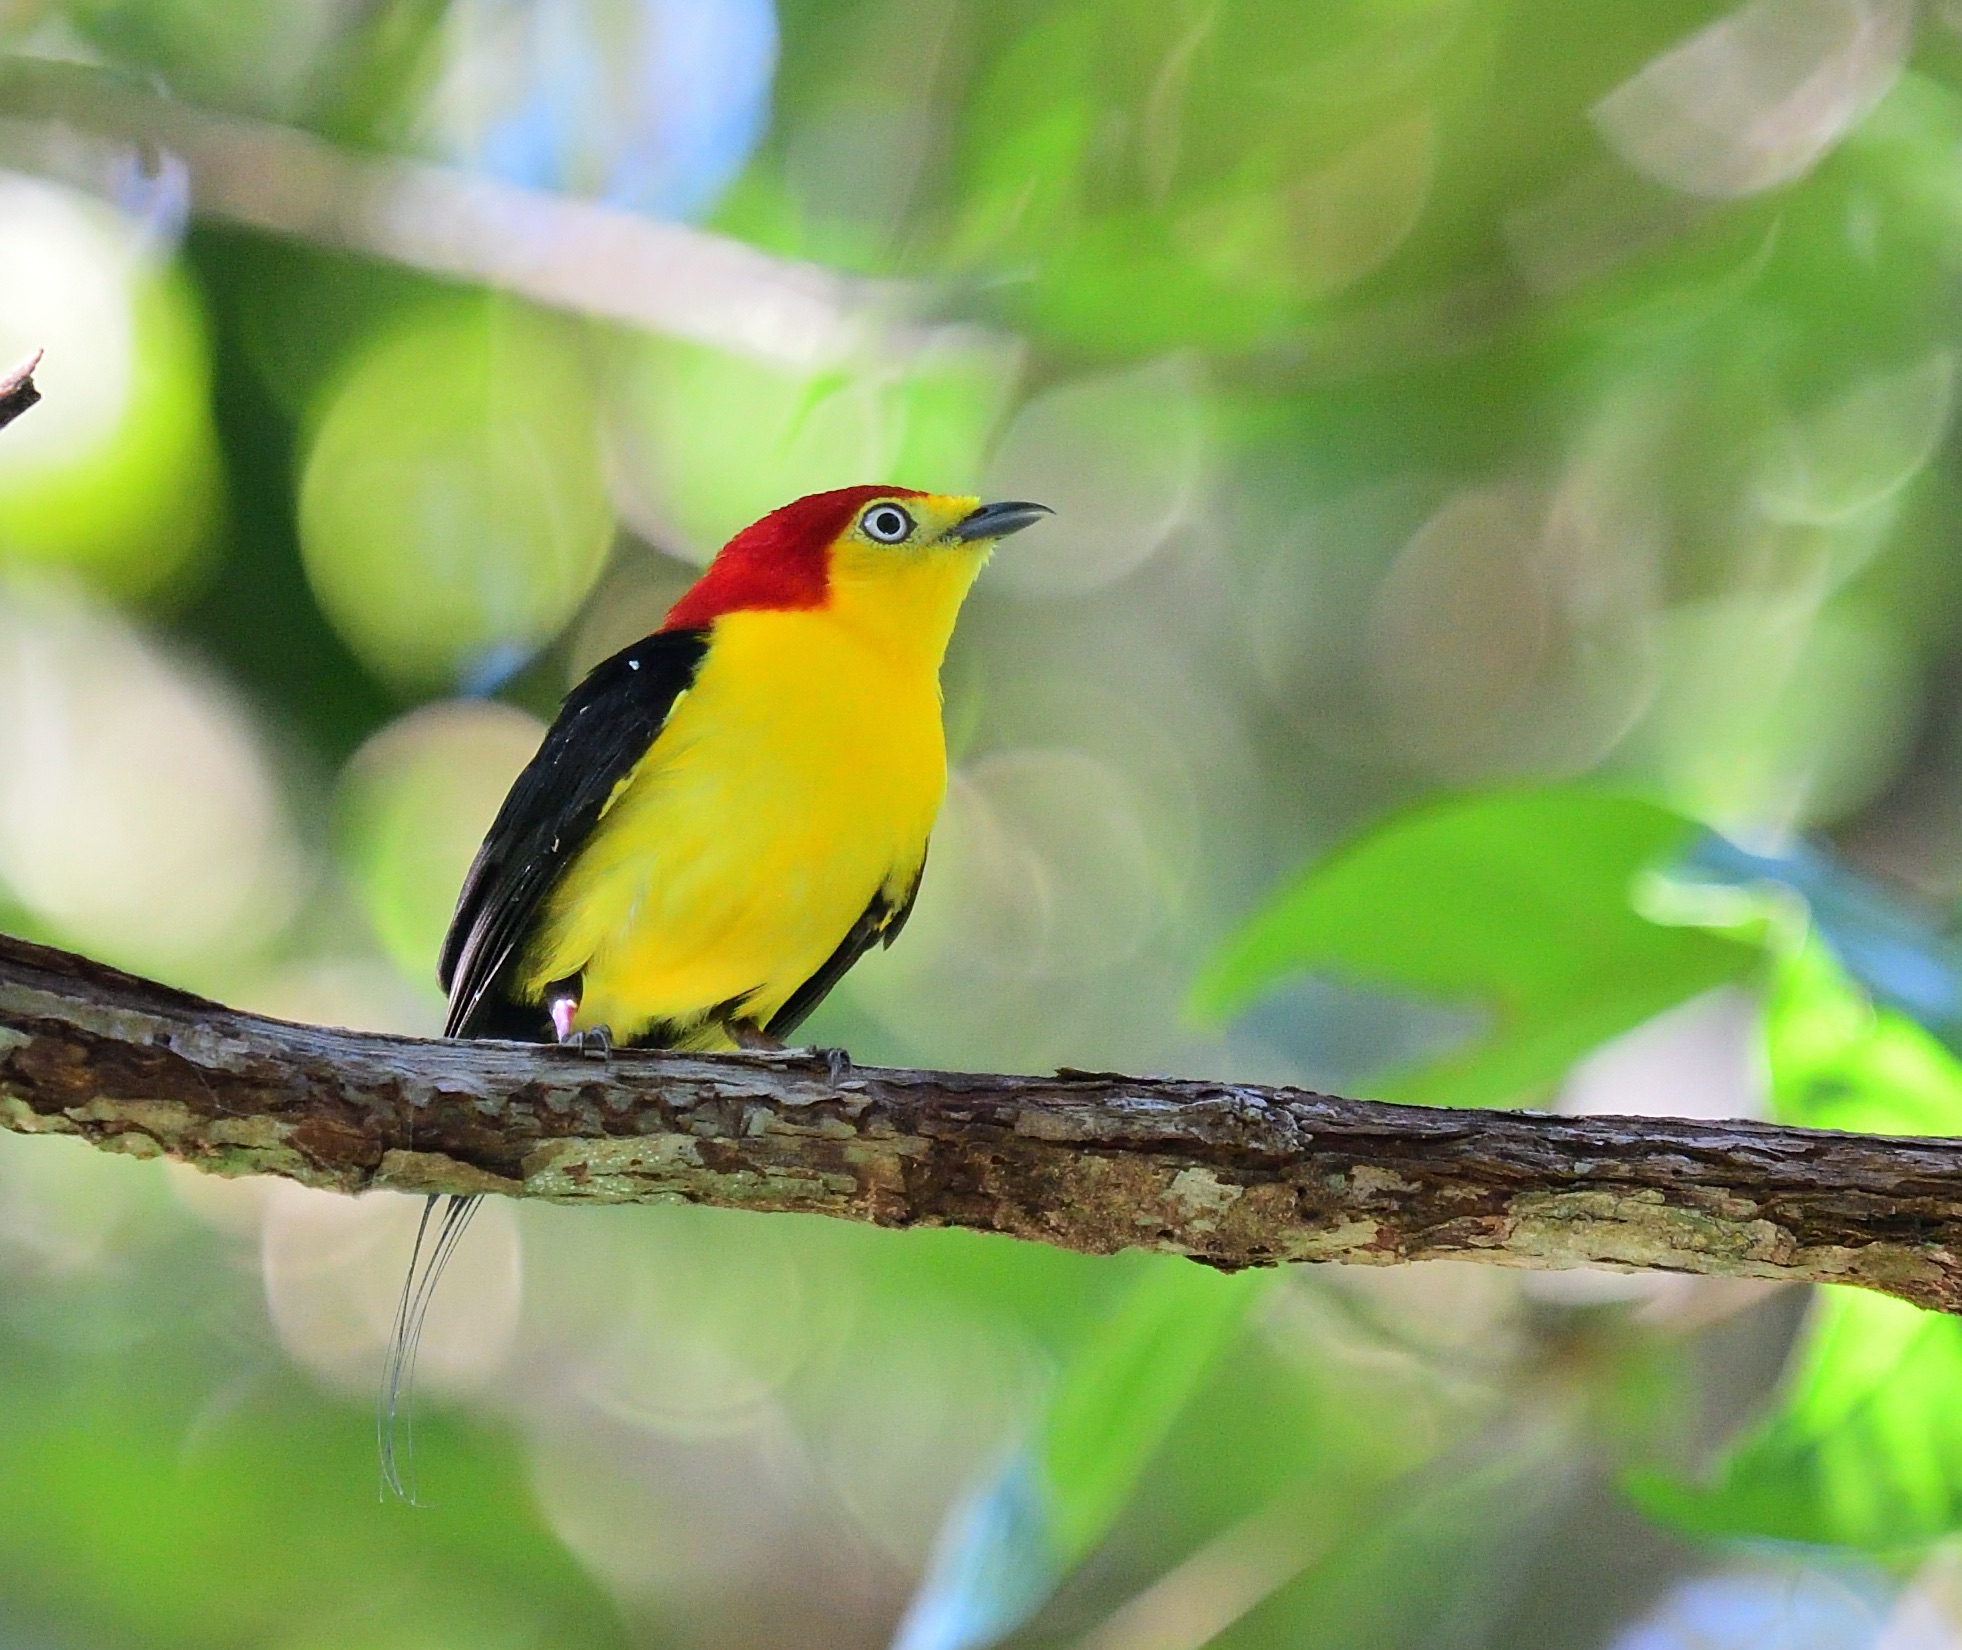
[115, 474]
[453, 509]
[413, 805]
[704, 442]
[140, 819]
[1120, 457]
[333, 1268]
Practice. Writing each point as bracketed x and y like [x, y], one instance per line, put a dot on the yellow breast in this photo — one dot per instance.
[798, 778]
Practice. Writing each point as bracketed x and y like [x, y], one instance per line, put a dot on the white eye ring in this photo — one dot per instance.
[886, 524]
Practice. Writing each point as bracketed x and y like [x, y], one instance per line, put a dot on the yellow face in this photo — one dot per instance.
[889, 534]
[900, 571]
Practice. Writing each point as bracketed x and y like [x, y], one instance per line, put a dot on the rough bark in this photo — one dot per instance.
[1229, 1174]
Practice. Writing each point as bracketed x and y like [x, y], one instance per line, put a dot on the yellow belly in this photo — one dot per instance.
[797, 779]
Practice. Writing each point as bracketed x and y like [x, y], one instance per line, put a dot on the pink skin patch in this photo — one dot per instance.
[563, 1009]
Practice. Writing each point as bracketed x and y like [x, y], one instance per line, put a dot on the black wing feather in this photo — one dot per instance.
[604, 727]
[880, 924]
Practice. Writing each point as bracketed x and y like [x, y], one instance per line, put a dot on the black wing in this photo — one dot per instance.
[880, 924]
[604, 727]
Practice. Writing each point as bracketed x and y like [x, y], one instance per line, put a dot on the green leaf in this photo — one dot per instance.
[1865, 1447]
[1837, 1061]
[1121, 1394]
[1006, 1547]
[1517, 901]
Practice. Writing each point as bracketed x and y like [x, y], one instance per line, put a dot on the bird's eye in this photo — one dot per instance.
[886, 524]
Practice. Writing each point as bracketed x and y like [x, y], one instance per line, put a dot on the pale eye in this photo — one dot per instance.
[886, 524]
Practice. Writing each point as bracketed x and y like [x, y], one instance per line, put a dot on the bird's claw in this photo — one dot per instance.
[837, 1063]
[595, 1043]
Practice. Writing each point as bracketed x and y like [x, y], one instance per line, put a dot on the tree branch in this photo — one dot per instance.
[1232, 1175]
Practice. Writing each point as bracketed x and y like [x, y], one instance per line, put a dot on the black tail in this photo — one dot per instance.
[398, 1393]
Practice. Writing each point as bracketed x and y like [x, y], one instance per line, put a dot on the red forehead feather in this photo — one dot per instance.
[782, 561]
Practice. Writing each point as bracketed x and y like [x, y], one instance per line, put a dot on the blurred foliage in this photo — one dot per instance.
[121, 480]
[452, 509]
[1863, 1451]
[414, 803]
[718, 441]
[1517, 906]
[169, 1481]
[1056, 1496]
[1120, 1397]
[1864, 1448]
[1506, 490]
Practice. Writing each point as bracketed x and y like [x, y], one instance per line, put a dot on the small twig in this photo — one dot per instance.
[17, 391]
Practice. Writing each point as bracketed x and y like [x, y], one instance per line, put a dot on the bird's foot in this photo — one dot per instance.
[837, 1063]
[755, 1040]
[562, 1003]
[595, 1042]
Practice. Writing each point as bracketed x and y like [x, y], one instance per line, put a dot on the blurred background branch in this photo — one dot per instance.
[75, 124]
[17, 391]
[1233, 1175]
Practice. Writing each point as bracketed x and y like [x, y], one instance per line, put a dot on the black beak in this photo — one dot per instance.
[997, 521]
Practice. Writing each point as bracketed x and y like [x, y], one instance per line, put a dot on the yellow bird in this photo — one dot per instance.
[726, 815]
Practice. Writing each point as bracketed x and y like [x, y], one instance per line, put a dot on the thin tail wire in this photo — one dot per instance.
[398, 1393]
